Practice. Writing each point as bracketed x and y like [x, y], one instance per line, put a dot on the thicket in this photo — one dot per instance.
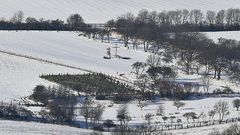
[99, 85]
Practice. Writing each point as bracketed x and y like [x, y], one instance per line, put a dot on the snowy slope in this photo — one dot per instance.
[30, 128]
[20, 75]
[66, 48]
[226, 34]
[69, 48]
[198, 106]
[201, 130]
[103, 10]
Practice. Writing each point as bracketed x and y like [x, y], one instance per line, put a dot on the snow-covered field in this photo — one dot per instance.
[225, 34]
[20, 75]
[199, 106]
[103, 10]
[69, 48]
[201, 130]
[31, 128]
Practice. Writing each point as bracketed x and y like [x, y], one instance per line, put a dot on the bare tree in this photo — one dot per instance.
[222, 108]
[210, 17]
[122, 115]
[17, 17]
[143, 16]
[232, 130]
[185, 16]
[220, 18]
[96, 113]
[142, 104]
[86, 110]
[160, 110]
[148, 118]
[211, 114]
[138, 68]
[230, 16]
[75, 21]
[154, 60]
[178, 104]
[196, 16]
[206, 80]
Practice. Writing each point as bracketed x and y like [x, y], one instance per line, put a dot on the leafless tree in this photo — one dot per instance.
[185, 16]
[138, 68]
[232, 130]
[122, 115]
[211, 114]
[160, 110]
[142, 104]
[154, 60]
[222, 109]
[220, 17]
[206, 81]
[17, 17]
[178, 104]
[196, 16]
[210, 17]
[230, 16]
[86, 110]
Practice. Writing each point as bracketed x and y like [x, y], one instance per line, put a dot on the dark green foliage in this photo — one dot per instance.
[93, 84]
[41, 94]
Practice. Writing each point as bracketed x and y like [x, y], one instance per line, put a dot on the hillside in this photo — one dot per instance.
[227, 34]
[69, 48]
[30, 128]
[20, 75]
[96, 11]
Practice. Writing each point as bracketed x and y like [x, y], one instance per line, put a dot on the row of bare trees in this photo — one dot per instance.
[177, 17]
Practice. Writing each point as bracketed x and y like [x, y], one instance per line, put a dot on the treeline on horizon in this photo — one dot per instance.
[171, 21]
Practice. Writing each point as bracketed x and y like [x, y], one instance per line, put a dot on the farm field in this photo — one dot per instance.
[20, 75]
[30, 128]
[142, 73]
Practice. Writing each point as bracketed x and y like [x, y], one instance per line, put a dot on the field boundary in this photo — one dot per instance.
[63, 65]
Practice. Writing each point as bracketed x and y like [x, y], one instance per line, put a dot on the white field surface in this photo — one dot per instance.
[103, 10]
[31, 128]
[20, 75]
[225, 34]
[201, 130]
[69, 48]
[203, 105]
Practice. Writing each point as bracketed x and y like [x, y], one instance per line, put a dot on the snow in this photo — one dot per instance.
[202, 105]
[69, 48]
[20, 75]
[225, 34]
[100, 11]
[30, 128]
[201, 130]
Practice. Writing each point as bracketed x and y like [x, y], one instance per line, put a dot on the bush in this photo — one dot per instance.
[98, 128]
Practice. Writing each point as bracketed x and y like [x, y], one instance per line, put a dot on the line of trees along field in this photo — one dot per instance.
[175, 20]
